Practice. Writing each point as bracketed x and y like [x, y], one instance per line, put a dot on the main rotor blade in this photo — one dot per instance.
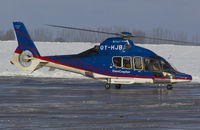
[161, 39]
[81, 29]
[120, 34]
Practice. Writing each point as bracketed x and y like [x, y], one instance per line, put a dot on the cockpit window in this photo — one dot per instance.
[147, 66]
[151, 64]
[117, 61]
[127, 62]
[157, 64]
[166, 67]
[137, 63]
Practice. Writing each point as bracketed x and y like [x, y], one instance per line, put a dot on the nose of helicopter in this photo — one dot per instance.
[183, 77]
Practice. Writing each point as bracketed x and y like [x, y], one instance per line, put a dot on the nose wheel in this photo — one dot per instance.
[169, 87]
[107, 86]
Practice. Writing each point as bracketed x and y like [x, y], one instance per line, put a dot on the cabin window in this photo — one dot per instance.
[138, 63]
[127, 62]
[151, 64]
[117, 61]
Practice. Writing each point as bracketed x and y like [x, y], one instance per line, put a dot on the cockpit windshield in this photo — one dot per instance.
[157, 64]
[151, 64]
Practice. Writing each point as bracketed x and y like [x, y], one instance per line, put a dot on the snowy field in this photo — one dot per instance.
[184, 58]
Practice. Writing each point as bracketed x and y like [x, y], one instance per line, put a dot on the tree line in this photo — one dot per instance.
[65, 35]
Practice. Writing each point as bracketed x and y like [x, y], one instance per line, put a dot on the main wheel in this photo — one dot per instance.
[118, 86]
[169, 87]
[107, 86]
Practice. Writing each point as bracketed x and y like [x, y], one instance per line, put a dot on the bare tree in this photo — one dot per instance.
[64, 35]
[1, 34]
[196, 38]
[41, 34]
[9, 35]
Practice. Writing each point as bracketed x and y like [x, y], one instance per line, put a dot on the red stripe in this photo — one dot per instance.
[134, 76]
[115, 72]
[73, 63]
[120, 75]
[85, 67]
[18, 51]
[90, 70]
[36, 56]
[27, 47]
[45, 58]
[183, 78]
[50, 60]
[92, 66]
[53, 61]
[23, 34]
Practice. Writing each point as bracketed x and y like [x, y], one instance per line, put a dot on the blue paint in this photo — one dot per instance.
[100, 58]
[24, 40]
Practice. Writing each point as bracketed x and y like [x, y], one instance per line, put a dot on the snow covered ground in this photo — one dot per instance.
[184, 58]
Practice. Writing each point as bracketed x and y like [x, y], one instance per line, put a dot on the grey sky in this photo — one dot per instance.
[175, 15]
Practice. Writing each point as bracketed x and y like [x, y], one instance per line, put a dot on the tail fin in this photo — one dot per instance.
[24, 40]
[26, 55]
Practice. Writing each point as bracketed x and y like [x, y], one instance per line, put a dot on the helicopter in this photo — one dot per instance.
[117, 60]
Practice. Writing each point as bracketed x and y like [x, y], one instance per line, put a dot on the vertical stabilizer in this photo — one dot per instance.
[24, 40]
[26, 55]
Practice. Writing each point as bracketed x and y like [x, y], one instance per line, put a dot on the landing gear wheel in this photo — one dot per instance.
[118, 86]
[169, 87]
[107, 86]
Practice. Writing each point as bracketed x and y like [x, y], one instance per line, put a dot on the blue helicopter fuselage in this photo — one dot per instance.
[99, 60]
[116, 61]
